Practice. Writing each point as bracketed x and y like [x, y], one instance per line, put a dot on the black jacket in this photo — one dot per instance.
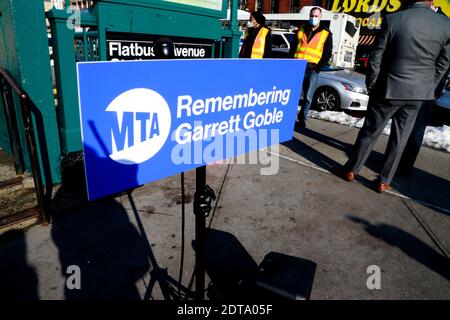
[327, 48]
[246, 50]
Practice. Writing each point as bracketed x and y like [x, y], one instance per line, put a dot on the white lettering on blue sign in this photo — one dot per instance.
[142, 126]
[143, 121]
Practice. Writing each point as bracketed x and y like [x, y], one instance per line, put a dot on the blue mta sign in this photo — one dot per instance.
[146, 120]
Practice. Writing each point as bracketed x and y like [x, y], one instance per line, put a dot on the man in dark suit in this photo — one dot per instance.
[426, 112]
[409, 58]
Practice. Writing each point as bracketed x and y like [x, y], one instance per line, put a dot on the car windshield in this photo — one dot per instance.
[289, 37]
[331, 68]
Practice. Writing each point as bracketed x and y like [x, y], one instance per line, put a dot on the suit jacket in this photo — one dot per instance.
[410, 56]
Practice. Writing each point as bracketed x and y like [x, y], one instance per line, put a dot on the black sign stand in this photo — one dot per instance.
[204, 195]
[200, 232]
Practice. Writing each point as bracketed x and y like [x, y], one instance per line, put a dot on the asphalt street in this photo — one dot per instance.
[130, 246]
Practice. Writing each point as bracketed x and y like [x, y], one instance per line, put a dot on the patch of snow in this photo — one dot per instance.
[435, 137]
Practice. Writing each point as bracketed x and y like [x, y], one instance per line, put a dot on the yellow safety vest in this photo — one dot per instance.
[259, 44]
[313, 50]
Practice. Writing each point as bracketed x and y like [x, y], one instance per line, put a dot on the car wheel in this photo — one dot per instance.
[327, 99]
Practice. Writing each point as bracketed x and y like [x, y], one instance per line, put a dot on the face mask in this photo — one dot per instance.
[249, 24]
[314, 21]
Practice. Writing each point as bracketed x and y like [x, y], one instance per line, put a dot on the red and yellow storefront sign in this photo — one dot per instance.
[366, 6]
[369, 12]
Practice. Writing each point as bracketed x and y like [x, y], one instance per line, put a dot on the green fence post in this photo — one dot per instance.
[66, 80]
[231, 49]
[24, 51]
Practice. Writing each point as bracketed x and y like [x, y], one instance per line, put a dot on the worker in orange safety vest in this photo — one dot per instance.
[313, 42]
[257, 43]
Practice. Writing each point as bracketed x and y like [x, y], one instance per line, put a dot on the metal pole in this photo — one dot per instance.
[34, 160]
[85, 45]
[200, 232]
[233, 14]
[233, 46]
[13, 131]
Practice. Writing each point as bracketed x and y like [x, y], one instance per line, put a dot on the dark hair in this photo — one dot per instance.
[315, 8]
[259, 17]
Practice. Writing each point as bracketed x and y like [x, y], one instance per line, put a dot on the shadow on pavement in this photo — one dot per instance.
[100, 239]
[409, 244]
[310, 153]
[236, 276]
[421, 186]
[229, 265]
[18, 280]
[107, 248]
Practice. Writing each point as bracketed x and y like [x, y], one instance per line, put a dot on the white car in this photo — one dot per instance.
[336, 89]
[339, 89]
[281, 42]
[441, 114]
[444, 99]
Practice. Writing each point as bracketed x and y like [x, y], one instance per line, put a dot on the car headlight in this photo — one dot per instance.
[353, 88]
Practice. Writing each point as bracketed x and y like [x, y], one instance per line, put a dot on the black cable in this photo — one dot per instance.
[183, 216]
[218, 195]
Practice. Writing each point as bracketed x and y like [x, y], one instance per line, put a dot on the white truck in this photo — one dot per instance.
[344, 27]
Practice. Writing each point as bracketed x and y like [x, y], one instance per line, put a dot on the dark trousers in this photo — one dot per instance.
[403, 114]
[309, 86]
[415, 140]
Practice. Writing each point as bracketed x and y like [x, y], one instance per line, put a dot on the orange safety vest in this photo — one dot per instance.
[311, 51]
[259, 44]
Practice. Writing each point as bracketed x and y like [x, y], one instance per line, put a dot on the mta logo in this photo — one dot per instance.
[123, 133]
[142, 126]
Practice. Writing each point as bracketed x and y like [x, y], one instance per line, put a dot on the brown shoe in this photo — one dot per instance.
[382, 187]
[346, 175]
[349, 176]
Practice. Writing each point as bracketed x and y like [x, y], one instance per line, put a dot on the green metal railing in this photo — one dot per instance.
[79, 4]
[86, 46]
[9, 87]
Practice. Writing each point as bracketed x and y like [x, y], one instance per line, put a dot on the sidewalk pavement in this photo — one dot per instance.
[126, 245]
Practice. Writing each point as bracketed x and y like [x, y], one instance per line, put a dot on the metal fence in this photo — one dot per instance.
[73, 4]
[86, 46]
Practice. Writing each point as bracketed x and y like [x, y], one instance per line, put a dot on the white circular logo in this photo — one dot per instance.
[141, 127]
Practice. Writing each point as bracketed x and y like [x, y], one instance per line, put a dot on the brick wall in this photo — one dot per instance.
[305, 3]
[251, 5]
[284, 6]
[267, 6]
